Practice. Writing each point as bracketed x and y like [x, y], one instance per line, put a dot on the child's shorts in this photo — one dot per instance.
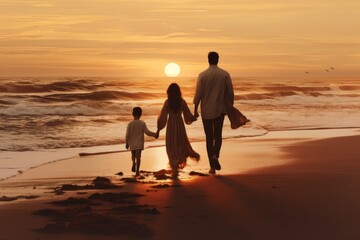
[136, 153]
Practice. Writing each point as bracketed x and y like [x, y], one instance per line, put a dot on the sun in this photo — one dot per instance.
[172, 70]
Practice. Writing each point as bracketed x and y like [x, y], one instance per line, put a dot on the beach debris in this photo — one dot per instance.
[81, 193]
[98, 224]
[129, 180]
[54, 228]
[122, 197]
[97, 183]
[193, 173]
[9, 199]
[162, 174]
[72, 201]
[151, 190]
[70, 187]
[119, 173]
[165, 185]
[62, 215]
[46, 212]
[135, 209]
[161, 186]
[102, 182]
[105, 213]
[146, 173]
[108, 225]
[149, 182]
[58, 192]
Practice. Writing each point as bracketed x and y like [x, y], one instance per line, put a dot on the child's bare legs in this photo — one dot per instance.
[136, 158]
[138, 161]
[133, 161]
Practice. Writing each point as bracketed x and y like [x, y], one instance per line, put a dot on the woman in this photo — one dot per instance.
[178, 147]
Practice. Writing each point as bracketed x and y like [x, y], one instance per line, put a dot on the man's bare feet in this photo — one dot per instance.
[212, 171]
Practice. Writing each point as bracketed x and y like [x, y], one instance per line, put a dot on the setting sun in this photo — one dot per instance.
[172, 70]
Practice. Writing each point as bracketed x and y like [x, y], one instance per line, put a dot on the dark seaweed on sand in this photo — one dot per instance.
[97, 183]
[62, 214]
[71, 201]
[9, 199]
[99, 224]
[135, 209]
[80, 217]
[122, 197]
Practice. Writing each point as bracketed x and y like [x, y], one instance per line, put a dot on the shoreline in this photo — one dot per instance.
[283, 185]
[108, 149]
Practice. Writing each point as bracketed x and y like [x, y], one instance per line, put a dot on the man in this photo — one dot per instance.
[213, 87]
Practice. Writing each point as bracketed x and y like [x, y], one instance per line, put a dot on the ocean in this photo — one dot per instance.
[49, 119]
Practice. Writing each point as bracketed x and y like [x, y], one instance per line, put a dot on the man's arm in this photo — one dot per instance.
[196, 114]
[197, 97]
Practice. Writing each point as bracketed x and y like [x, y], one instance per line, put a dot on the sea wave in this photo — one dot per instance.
[60, 122]
[79, 109]
[285, 94]
[98, 96]
[61, 86]
[296, 88]
[3, 102]
[262, 96]
[349, 87]
[78, 97]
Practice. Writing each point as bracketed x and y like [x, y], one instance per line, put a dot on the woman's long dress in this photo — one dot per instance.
[178, 147]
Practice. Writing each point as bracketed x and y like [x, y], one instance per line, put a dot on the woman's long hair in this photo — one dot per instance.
[174, 97]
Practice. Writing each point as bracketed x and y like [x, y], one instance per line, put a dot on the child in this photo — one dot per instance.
[135, 138]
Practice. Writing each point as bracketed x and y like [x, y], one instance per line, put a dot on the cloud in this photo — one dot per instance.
[208, 30]
[131, 33]
[45, 5]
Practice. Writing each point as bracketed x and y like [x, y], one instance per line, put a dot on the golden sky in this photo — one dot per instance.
[137, 38]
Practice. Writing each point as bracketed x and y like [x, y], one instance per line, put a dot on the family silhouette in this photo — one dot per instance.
[214, 94]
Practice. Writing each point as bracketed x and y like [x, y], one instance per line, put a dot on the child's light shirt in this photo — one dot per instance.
[135, 134]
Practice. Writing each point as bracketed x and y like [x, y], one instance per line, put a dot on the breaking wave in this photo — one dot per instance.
[60, 86]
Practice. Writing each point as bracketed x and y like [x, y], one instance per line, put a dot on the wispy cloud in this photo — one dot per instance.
[138, 34]
[208, 30]
[45, 5]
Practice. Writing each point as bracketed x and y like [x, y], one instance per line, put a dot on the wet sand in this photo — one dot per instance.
[285, 185]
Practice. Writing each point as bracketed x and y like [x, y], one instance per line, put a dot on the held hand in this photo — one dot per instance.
[127, 146]
[196, 115]
[157, 134]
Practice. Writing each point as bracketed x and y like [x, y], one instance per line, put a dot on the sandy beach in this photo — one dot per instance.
[300, 184]
[76, 76]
